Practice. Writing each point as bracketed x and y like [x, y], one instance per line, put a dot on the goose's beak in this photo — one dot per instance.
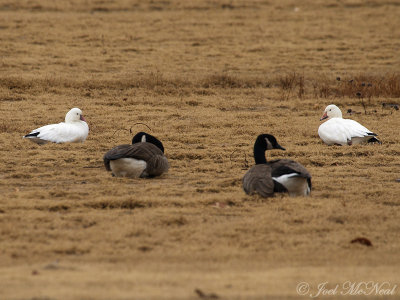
[82, 118]
[325, 116]
[279, 147]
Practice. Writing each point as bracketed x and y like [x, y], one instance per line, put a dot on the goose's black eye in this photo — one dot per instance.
[77, 114]
[330, 110]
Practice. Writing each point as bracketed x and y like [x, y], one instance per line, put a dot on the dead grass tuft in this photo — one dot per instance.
[231, 81]
[289, 82]
[57, 208]
[174, 221]
[71, 251]
[364, 86]
[294, 84]
[118, 204]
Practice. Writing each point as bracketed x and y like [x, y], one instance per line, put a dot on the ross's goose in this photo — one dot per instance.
[74, 129]
[281, 175]
[144, 158]
[339, 131]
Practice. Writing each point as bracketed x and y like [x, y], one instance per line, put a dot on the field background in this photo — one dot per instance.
[207, 77]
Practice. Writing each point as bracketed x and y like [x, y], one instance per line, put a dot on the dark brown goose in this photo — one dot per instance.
[144, 158]
[281, 175]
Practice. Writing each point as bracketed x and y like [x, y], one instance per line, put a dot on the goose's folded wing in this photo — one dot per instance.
[140, 151]
[282, 167]
[287, 166]
[356, 129]
[258, 179]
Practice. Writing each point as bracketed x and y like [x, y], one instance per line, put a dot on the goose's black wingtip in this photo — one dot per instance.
[374, 140]
[34, 134]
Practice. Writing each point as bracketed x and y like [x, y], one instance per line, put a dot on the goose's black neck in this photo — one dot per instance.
[259, 154]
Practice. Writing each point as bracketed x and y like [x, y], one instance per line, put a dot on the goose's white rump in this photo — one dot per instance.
[339, 131]
[295, 184]
[128, 167]
[73, 130]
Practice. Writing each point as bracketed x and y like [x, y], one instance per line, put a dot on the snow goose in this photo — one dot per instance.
[281, 175]
[74, 129]
[339, 131]
[144, 158]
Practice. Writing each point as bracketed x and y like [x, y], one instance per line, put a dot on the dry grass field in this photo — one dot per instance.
[206, 77]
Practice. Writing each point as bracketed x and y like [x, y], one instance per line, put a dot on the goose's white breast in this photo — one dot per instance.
[128, 167]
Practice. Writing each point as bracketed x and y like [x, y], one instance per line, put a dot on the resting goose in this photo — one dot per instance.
[339, 131]
[144, 158]
[281, 175]
[73, 130]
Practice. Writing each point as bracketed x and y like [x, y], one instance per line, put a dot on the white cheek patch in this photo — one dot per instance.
[128, 167]
[269, 145]
[143, 138]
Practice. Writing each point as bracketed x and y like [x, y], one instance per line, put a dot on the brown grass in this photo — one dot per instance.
[206, 77]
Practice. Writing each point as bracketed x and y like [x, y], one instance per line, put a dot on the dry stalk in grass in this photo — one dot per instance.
[139, 123]
[245, 165]
[360, 96]
[130, 129]
[287, 84]
[301, 85]
[120, 129]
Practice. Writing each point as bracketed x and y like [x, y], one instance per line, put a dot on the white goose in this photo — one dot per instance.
[339, 131]
[73, 130]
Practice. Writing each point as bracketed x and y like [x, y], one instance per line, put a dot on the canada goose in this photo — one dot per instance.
[74, 129]
[281, 175]
[339, 131]
[144, 158]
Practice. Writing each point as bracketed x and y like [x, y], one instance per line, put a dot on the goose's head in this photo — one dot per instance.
[142, 137]
[74, 115]
[331, 111]
[267, 142]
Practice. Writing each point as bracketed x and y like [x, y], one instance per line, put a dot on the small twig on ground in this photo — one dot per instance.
[359, 95]
[139, 123]
[120, 130]
[245, 164]
[230, 156]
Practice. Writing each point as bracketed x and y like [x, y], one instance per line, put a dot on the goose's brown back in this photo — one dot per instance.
[281, 164]
[258, 180]
[286, 166]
